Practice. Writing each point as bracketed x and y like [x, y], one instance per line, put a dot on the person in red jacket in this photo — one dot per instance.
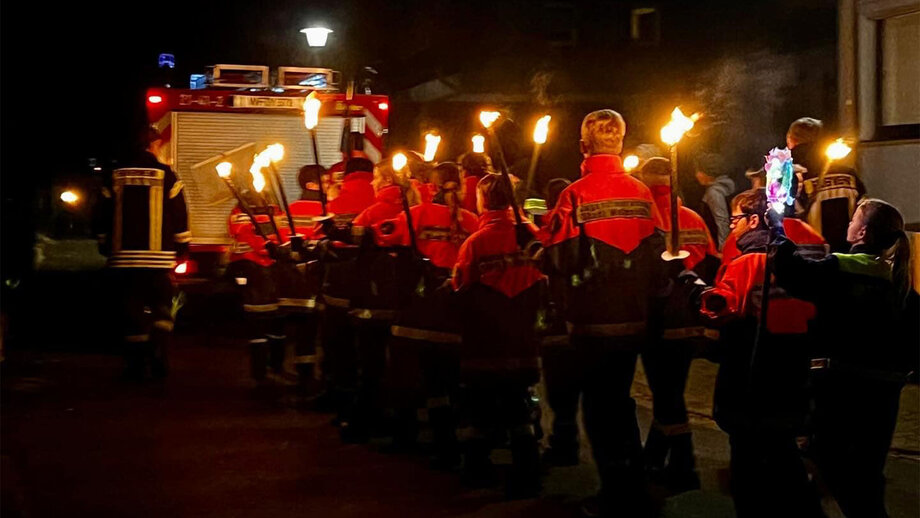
[605, 240]
[353, 196]
[424, 348]
[473, 166]
[251, 267]
[809, 242]
[500, 290]
[669, 445]
[761, 408]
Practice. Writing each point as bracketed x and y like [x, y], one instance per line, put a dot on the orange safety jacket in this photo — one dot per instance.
[248, 245]
[431, 222]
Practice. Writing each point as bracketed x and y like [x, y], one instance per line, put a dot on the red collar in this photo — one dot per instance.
[389, 194]
[495, 216]
[602, 164]
[664, 191]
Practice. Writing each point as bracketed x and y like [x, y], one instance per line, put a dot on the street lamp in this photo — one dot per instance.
[316, 36]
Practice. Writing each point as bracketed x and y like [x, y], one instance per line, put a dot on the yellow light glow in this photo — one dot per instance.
[838, 150]
[399, 161]
[258, 180]
[311, 108]
[69, 197]
[182, 268]
[679, 124]
[479, 144]
[630, 162]
[541, 129]
[275, 152]
[488, 118]
[224, 169]
[432, 142]
[259, 162]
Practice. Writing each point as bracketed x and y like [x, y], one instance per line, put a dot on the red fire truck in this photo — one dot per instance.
[235, 111]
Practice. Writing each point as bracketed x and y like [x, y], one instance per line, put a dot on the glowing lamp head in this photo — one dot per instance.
[630, 162]
[432, 142]
[224, 169]
[275, 152]
[69, 197]
[479, 144]
[838, 150]
[311, 108]
[316, 36]
[541, 129]
[182, 268]
[399, 161]
[679, 124]
[154, 99]
[488, 118]
[383, 106]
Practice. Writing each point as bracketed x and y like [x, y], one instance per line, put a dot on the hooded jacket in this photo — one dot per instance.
[716, 208]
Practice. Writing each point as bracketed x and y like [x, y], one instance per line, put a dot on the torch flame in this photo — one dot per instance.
[838, 150]
[630, 162]
[311, 108]
[275, 152]
[432, 142]
[258, 180]
[541, 129]
[479, 144]
[679, 124]
[69, 197]
[224, 169]
[488, 118]
[399, 161]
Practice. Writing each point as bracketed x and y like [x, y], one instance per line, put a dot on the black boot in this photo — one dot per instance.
[680, 475]
[478, 471]
[446, 453]
[524, 479]
[258, 358]
[655, 453]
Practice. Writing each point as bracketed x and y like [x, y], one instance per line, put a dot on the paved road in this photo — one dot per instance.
[77, 442]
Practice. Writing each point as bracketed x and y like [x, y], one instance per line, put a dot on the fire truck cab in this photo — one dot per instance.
[234, 111]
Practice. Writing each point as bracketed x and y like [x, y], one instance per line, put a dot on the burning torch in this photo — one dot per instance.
[311, 108]
[671, 134]
[432, 141]
[399, 162]
[276, 154]
[479, 143]
[630, 162]
[223, 171]
[539, 138]
[488, 118]
[259, 162]
[837, 150]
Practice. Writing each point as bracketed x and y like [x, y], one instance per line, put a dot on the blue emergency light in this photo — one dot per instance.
[167, 60]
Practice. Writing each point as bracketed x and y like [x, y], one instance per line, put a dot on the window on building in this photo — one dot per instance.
[644, 26]
[560, 22]
[899, 82]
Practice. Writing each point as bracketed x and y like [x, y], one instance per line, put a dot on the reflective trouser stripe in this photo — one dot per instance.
[137, 338]
[672, 429]
[297, 303]
[336, 302]
[425, 334]
[260, 308]
[165, 325]
[621, 329]
[374, 314]
[681, 333]
[276, 337]
[305, 359]
[259, 341]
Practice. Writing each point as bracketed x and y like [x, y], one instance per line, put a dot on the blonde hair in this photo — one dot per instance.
[602, 132]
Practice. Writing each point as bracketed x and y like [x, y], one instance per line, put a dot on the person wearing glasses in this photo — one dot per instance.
[760, 398]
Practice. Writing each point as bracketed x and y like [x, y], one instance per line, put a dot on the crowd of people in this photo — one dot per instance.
[427, 304]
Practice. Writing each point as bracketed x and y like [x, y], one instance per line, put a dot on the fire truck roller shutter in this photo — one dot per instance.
[201, 136]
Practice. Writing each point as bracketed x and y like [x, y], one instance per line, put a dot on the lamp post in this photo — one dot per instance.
[316, 36]
[671, 134]
[539, 138]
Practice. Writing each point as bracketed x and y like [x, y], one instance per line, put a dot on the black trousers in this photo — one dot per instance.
[854, 420]
[370, 399]
[768, 476]
[563, 381]
[608, 366]
[145, 319]
[340, 360]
